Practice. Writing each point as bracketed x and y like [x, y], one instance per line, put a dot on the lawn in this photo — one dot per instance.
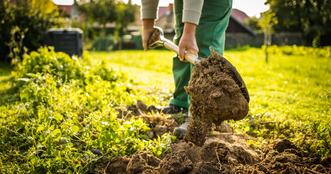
[286, 85]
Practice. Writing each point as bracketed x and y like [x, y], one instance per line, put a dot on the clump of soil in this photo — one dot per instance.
[176, 162]
[218, 94]
[141, 161]
[117, 165]
[283, 145]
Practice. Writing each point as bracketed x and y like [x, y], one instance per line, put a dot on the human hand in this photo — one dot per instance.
[188, 43]
[148, 28]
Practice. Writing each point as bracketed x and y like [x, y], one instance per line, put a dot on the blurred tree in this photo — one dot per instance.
[6, 18]
[253, 24]
[268, 20]
[126, 15]
[100, 11]
[108, 11]
[44, 7]
[310, 17]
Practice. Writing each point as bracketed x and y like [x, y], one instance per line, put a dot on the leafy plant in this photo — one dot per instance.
[63, 110]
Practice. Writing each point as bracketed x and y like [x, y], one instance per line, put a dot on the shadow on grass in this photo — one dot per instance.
[5, 69]
[6, 87]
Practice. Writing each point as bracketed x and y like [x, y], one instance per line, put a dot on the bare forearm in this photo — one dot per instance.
[189, 29]
[188, 42]
[148, 23]
[148, 28]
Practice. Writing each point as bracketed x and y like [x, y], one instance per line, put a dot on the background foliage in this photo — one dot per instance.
[108, 11]
[31, 18]
[310, 17]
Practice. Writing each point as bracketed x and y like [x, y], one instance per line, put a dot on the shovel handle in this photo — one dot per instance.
[188, 56]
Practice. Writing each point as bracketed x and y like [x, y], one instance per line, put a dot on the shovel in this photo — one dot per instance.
[157, 39]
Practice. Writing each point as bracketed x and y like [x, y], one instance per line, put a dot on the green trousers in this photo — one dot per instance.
[210, 32]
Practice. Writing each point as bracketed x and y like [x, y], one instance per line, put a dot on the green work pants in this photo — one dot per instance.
[210, 32]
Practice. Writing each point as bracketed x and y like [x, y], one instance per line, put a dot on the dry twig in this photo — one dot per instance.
[141, 113]
[304, 138]
[218, 159]
[312, 171]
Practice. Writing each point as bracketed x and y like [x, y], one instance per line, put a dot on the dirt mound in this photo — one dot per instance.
[218, 94]
[287, 158]
[230, 154]
[218, 151]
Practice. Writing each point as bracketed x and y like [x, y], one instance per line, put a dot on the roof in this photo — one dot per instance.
[162, 11]
[239, 15]
[245, 27]
[67, 8]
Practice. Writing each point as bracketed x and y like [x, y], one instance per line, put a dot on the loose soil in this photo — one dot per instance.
[218, 93]
[227, 153]
[223, 152]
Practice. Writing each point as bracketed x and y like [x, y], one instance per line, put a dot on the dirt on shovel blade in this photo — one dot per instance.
[217, 95]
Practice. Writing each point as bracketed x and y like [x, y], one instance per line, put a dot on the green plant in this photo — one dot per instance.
[180, 118]
[137, 40]
[161, 145]
[103, 43]
[46, 60]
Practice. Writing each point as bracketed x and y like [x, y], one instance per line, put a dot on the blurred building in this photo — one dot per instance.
[70, 10]
[237, 33]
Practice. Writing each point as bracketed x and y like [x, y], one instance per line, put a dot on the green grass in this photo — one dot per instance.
[151, 69]
[291, 92]
[296, 83]
[287, 84]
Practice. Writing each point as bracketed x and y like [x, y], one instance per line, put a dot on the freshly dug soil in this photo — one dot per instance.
[218, 94]
[230, 154]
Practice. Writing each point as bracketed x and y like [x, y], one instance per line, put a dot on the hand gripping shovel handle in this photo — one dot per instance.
[156, 39]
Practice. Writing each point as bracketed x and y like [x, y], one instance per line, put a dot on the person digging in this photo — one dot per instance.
[199, 24]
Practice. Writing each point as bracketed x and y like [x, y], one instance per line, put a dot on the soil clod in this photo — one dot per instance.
[218, 94]
[141, 161]
[177, 162]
